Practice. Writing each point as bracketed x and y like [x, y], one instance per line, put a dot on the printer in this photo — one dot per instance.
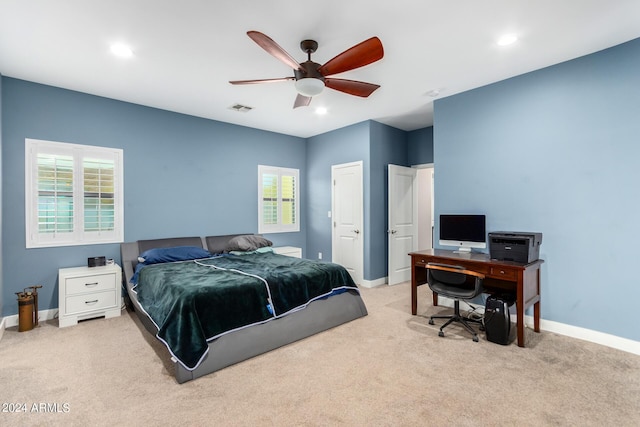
[522, 247]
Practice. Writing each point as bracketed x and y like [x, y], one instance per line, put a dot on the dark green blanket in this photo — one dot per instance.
[194, 302]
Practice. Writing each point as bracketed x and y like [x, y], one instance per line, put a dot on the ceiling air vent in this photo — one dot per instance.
[241, 108]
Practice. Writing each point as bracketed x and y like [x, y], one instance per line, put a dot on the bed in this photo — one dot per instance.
[282, 300]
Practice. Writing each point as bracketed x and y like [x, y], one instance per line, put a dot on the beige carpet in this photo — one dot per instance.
[387, 369]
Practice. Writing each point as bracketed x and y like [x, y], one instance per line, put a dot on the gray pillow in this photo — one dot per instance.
[248, 242]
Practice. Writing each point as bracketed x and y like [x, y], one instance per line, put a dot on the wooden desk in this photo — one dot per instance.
[500, 276]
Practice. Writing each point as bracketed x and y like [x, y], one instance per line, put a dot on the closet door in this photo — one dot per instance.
[347, 239]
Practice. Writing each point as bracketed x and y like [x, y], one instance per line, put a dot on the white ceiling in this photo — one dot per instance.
[186, 51]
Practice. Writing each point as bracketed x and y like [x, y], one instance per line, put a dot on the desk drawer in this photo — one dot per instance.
[420, 261]
[503, 273]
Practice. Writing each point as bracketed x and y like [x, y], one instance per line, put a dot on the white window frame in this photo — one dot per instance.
[280, 172]
[35, 239]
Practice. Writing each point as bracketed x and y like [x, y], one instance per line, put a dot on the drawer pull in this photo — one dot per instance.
[91, 284]
[91, 302]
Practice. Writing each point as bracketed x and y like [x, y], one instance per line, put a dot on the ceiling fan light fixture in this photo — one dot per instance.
[309, 86]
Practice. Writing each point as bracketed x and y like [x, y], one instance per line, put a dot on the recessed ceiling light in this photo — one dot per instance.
[507, 39]
[121, 50]
[321, 110]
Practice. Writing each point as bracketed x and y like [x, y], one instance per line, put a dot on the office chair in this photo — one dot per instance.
[457, 283]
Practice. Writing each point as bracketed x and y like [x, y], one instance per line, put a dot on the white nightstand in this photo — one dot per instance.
[88, 292]
[288, 251]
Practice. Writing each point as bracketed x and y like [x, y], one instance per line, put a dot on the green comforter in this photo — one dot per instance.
[193, 302]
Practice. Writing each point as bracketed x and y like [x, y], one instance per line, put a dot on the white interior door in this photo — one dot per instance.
[403, 222]
[347, 246]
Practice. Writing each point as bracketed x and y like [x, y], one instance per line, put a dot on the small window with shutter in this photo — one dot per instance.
[278, 199]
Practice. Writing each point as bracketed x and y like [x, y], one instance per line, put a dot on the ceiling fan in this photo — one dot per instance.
[311, 78]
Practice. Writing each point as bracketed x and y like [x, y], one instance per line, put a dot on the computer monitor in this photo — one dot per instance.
[463, 231]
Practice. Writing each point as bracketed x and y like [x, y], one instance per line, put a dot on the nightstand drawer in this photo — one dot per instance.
[103, 282]
[91, 302]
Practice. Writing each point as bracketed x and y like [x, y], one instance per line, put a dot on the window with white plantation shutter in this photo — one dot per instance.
[55, 193]
[278, 199]
[73, 194]
[99, 206]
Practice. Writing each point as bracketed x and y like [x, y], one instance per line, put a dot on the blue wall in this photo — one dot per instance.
[183, 175]
[556, 151]
[420, 146]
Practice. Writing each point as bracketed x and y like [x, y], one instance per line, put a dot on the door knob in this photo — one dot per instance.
[356, 231]
[391, 231]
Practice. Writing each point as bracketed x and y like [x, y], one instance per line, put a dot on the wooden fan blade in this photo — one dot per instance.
[251, 82]
[274, 49]
[302, 101]
[352, 87]
[355, 57]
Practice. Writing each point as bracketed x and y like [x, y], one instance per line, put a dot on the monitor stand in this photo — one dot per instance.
[463, 250]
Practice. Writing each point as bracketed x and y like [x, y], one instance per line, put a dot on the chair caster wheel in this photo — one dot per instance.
[431, 322]
[475, 339]
[482, 328]
[441, 334]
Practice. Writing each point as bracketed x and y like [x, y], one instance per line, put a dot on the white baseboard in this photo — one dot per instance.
[374, 283]
[608, 340]
[2, 326]
[43, 315]
[584, 334]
